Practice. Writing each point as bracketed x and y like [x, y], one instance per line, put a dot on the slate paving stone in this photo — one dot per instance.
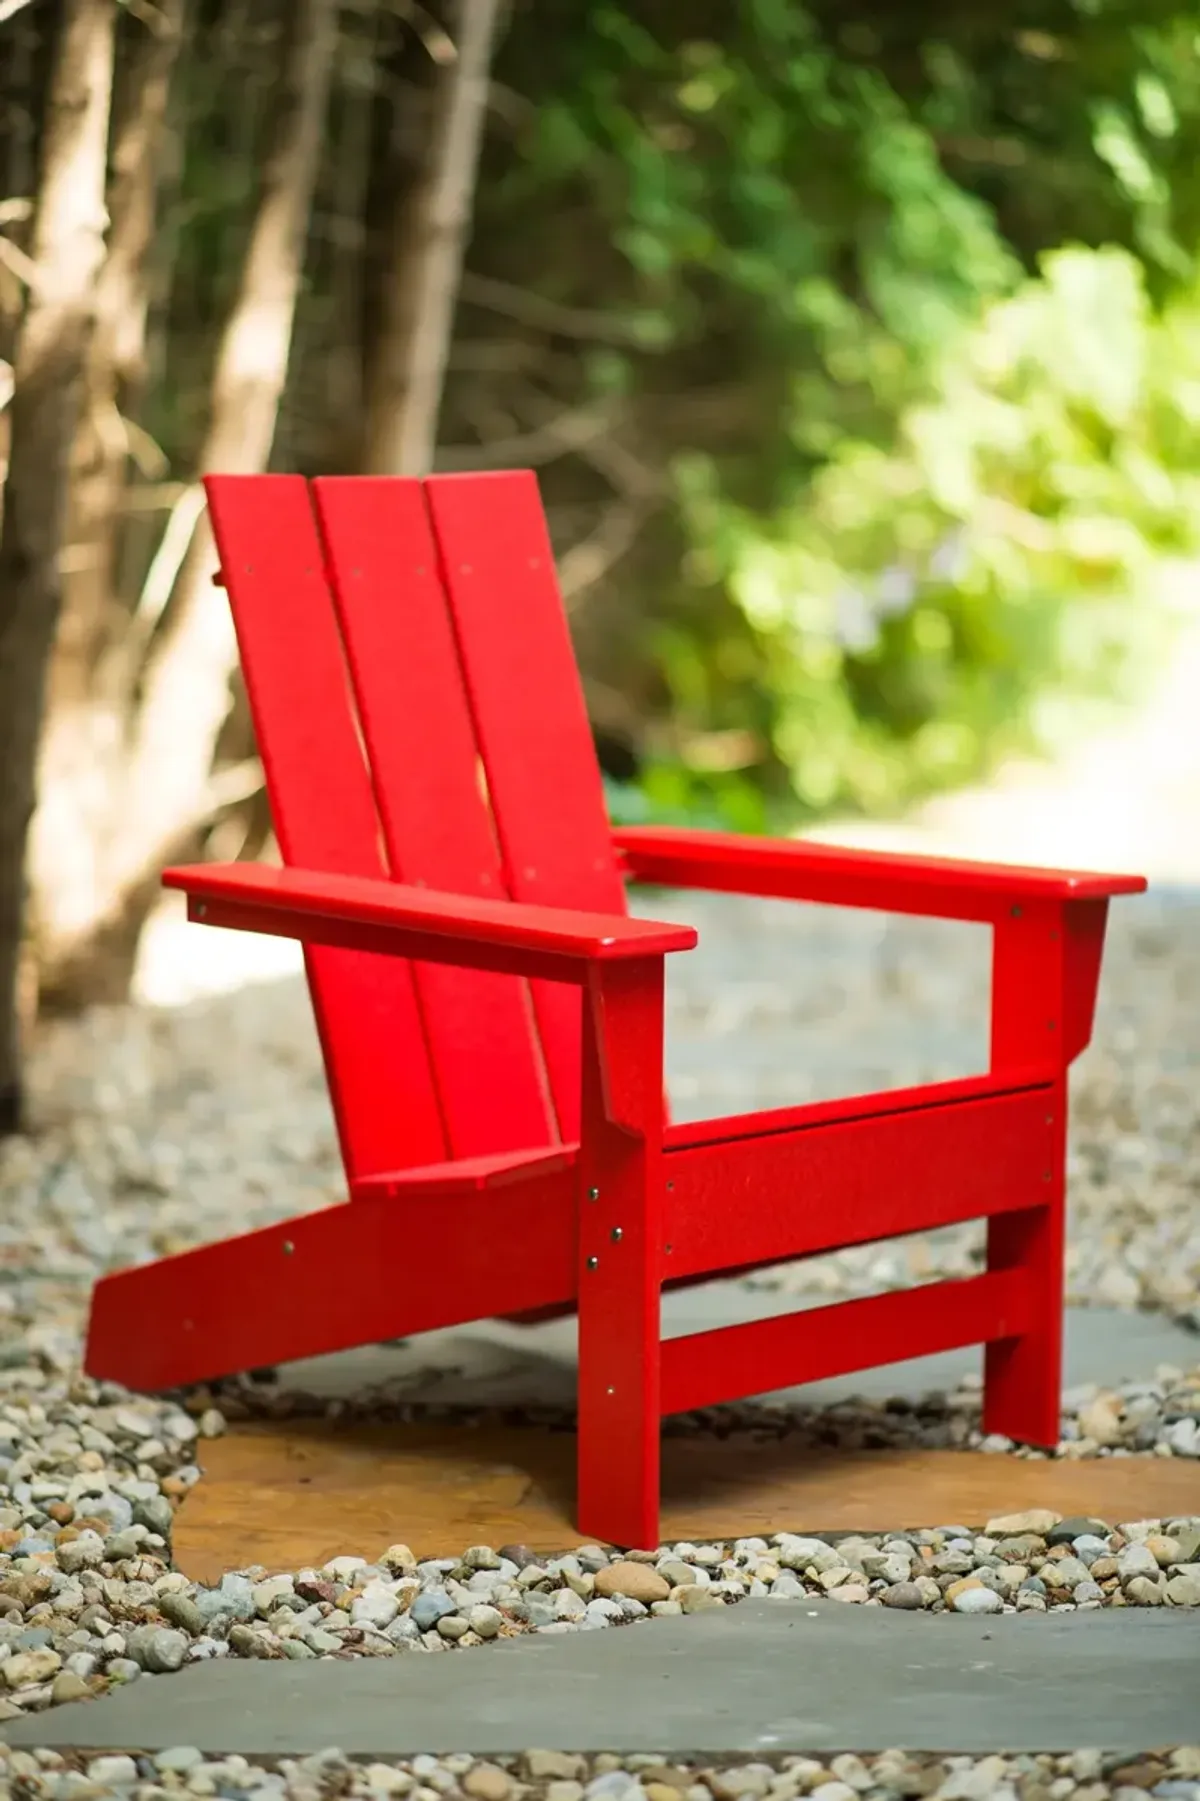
[767, 1677]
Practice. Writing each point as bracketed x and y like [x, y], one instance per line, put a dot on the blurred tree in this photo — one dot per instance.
[48, 367]
[408, 367]
[107, 439]
[140, 788]
[85, 701]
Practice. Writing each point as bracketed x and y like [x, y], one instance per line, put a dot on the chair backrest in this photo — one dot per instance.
[419, 716]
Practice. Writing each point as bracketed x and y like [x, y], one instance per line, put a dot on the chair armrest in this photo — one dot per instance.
[371, 914]
[789, 869]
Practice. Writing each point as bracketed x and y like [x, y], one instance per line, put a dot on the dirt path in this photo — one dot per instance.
[1127, 800]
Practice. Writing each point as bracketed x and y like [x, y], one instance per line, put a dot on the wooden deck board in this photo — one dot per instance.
[335, 1489]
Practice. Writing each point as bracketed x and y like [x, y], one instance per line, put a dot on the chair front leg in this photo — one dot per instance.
[1046, 969]
[620, 1209]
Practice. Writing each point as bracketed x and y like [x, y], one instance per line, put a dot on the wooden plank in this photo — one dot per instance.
[335, 1491]
[469, 1175]
[323, 810]
[620, 1188]
[1023, 1377]
[463, 921]
[1045, 968]
[793, 1193]
[850, 1107]
[892, 882]
[421, 748]
[703, 1369]
[267, 1297]
[531, 722]
[384, 937]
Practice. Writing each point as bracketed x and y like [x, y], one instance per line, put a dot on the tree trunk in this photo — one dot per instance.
[405, 386]
[81, 739]
[165, 794]
[67, 250]
[115, 373]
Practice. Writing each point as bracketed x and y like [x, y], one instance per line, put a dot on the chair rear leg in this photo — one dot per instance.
[266, 1297]
[1022, 1391]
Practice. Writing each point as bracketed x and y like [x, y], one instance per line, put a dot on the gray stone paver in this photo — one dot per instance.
[766, 1677]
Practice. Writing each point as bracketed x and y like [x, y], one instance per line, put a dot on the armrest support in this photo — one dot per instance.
[370, 914]
[1048, 923]
[789, 869]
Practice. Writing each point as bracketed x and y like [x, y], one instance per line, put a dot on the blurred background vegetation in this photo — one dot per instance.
[856, 343]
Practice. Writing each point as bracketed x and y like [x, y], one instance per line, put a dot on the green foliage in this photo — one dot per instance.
[888, 311]
[960, 451]
[670, 794]
[1006, 540]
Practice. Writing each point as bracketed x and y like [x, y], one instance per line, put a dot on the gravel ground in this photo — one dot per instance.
[90, 1478]
[564, 1776]
[158, 1130]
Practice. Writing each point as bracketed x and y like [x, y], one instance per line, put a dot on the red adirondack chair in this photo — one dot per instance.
[492, 1020]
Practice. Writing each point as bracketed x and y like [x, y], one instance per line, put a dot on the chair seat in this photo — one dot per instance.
[467, 1175]
[472, 1175]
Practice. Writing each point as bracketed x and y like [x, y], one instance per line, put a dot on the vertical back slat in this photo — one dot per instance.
[323, 811]
[421, 747]
[543, 779]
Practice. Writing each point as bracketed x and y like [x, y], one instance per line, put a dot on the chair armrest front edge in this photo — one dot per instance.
[376, 915]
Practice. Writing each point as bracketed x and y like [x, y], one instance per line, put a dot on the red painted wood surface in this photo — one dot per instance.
[812, 1344]
[535, 1212]
[620, 1178]
[323, 810]
[550, 937]
[373, 708]
[285, 1291]
[934, 887]
[762, 1198]
[468, 1175]
[412, 703]
[847, 1108]
[1023, 1374]
[1045, 972]
[546, 794]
